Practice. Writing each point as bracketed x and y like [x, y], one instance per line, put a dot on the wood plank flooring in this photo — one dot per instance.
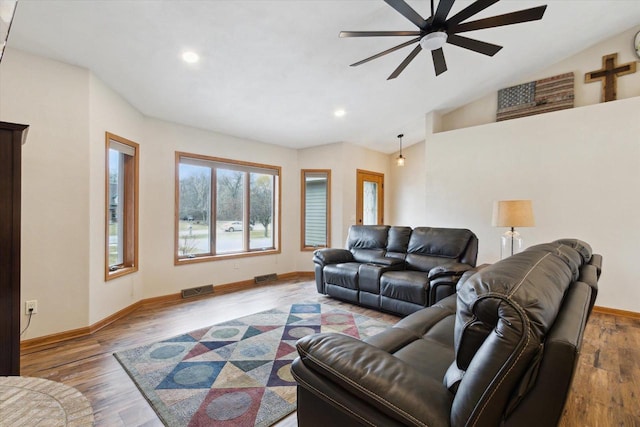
[605, 392]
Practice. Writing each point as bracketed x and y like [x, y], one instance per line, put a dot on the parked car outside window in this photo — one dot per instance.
[235, 226]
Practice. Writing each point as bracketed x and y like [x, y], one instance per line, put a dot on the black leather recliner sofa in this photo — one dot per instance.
[396, 269]
[501, 352]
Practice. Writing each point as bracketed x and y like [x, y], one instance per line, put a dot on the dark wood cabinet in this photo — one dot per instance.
[12, 136]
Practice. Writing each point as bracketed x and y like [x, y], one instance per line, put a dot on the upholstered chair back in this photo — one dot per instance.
[429, 247]
[504, 315]
[367, 242]
[398, 242]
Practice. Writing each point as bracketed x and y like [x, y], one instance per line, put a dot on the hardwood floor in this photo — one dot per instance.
[605, 391]
[606, 386]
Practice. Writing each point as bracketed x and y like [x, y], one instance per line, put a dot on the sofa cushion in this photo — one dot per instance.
[344, 275]
[367, 242]
[376, 377]
[583, 248]
[440, 242]
[424, 262]
[405, 285]
[367, 237]
[430, 247]
[570, 256]
[367, 255]
[398, 241]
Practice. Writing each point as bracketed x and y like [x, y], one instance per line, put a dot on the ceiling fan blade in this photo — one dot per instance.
[444, 7]
[404, 63]
[439, 64]
[407, 11]
[525, 15]
[393, 49]
[475, 45]
[378, 33]
[469, 11]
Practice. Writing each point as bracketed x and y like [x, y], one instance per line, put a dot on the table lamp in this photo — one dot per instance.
[512, 213]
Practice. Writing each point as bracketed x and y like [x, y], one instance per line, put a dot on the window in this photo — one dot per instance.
[121, 206]
[225, 208]
[316, 211]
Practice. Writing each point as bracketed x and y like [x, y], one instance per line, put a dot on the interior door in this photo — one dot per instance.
[369, 198]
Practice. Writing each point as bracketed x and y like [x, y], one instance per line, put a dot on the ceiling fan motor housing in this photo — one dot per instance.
[434, 40]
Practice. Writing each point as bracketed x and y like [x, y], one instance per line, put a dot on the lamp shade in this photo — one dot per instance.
[513, 213]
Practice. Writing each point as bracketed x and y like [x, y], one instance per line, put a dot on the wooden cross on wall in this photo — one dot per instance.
[609, 74]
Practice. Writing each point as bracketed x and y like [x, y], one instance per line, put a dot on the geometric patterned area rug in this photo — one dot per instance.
[235, 373]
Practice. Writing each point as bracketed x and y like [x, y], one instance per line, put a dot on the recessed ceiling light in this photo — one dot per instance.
[339, 113]
[190, 57]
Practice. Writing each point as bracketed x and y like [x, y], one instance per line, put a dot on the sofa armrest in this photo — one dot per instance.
[332, 256]
[443, 280]
[453, 269]
[377, 378]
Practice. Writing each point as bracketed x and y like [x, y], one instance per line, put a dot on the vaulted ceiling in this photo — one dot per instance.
[275, 71]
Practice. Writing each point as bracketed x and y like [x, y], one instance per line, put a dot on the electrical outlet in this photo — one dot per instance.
[31, 307]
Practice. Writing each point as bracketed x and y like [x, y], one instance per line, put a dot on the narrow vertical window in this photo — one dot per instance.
[261, 210]
[230, 207]
[316, 212]
[121, 206]
[195, 210]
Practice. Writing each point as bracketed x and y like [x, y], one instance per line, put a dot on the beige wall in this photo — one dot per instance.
[343, 159]
[579, 167]
[407, 203]
[69, 110]
[53, 98]
[108, 112]
[162, 140]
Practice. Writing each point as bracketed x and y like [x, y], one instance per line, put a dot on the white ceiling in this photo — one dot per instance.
[274, 71]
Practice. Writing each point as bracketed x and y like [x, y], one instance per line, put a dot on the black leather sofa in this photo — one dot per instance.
[501, 352]
[396, 269]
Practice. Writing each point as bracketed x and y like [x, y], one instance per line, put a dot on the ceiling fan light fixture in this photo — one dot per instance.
[433, 41]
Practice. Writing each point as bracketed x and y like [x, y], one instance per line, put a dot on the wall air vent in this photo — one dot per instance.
[200, 290]
[266, 278]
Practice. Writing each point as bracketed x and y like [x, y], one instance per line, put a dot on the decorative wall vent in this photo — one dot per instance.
[200, 290]
[266, 278]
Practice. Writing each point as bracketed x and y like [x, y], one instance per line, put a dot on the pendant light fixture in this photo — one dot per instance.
[400, 159]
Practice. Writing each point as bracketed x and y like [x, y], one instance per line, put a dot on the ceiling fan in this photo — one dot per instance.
[437, 30]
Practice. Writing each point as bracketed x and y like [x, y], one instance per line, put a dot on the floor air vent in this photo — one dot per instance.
[194, 292]
[266, 278]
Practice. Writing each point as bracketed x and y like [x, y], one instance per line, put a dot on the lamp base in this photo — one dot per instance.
[511, 243]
